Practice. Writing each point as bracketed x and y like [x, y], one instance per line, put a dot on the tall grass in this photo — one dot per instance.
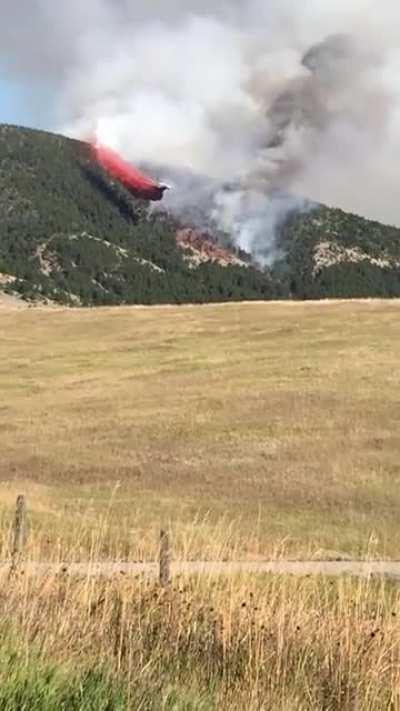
[244, 642]
[28, 683]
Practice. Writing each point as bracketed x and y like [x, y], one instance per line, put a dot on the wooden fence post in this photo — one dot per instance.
[165, 559]
[19, 531]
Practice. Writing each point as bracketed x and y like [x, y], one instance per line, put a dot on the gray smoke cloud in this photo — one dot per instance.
[246, 109]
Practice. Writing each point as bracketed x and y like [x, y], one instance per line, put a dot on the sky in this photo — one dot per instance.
[24, 106]
[14, 106]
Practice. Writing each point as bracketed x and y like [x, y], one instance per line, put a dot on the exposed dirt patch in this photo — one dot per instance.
[11, 302]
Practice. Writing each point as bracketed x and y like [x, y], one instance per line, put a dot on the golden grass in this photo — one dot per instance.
[283, 418]
[260, 643]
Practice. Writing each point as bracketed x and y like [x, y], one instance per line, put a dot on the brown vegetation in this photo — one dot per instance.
[257, 643]
[273, 426]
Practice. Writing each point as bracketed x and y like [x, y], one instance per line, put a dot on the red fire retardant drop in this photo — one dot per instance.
[140, 185]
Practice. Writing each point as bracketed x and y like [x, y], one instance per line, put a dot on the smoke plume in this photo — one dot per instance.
[247, 110]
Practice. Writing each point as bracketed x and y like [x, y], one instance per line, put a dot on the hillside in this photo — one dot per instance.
[70, 235]
[331, 253]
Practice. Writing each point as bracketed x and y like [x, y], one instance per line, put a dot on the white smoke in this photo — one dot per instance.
[243, 105]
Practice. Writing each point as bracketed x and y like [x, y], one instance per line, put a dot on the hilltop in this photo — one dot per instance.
[329, 253]
[71, 235]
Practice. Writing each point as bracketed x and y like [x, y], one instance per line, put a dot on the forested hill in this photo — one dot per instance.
[328, 253]
[69, 234]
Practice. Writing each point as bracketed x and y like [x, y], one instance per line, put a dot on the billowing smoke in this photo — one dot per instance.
[247, 109]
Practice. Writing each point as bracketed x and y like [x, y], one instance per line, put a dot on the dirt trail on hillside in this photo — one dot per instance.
[364, 569]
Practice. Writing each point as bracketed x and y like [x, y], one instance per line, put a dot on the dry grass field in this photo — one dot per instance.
[250, 429]
[256, 643]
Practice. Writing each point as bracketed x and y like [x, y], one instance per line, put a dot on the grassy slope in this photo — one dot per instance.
[280, 418]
